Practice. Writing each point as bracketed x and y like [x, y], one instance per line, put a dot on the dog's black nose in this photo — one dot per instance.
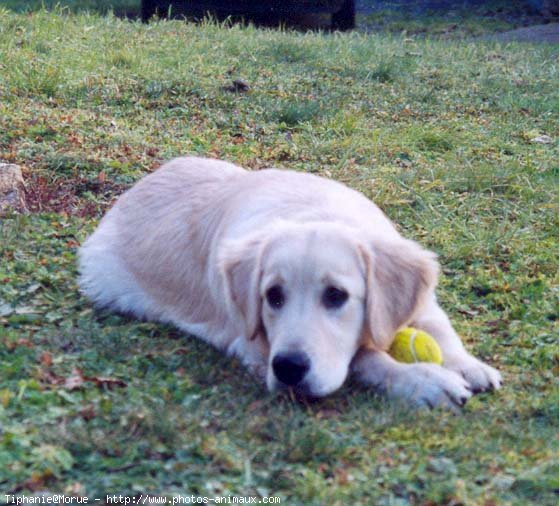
[291, 368]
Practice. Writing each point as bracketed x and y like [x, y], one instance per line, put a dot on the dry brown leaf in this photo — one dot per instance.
[46, 358]
[102, 381]
[48, 377]
[88, 412]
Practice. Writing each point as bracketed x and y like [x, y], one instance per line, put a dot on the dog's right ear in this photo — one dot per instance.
[240, 267]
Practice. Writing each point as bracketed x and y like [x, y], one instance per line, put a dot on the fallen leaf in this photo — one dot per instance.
[342, 476]
[37, 481]
[46, 358]
[6, 309]
[48, 377]
[323, 468]
[75, 489]
[88, 412]
[32, 288]
[327, 413]
[253, 406]
[25, 310]
[468, 312]
[542, 139]
[102, 381]
[5, 396]
[75, 380]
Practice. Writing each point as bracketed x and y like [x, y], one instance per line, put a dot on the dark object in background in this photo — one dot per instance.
[547, 8]
[342, 11]
[238, 86]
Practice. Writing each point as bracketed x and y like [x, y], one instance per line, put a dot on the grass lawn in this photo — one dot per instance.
[445, 19]
[441, 134]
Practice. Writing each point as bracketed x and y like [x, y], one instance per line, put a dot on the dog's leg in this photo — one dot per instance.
[252, 353]
[480, 376]
[422, 384]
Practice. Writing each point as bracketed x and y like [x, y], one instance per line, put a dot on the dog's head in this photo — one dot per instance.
[318, 292]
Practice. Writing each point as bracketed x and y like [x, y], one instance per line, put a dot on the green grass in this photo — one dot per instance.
[119, 7]
[439, 134]
[457, 20]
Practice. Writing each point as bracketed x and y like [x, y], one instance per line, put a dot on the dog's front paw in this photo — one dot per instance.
[480, 376]
[251, 355]
[429, 385]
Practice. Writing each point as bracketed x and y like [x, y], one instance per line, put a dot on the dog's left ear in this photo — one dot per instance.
[400, 277]
[239, 262]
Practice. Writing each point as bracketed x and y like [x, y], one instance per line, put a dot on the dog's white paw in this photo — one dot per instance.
[480, 376]
[429, 385]
[251, 355]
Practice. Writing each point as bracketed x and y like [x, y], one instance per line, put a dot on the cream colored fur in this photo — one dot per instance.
[200, 242]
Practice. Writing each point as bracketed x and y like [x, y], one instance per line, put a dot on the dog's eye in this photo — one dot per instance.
[275, 297]
[333, 297]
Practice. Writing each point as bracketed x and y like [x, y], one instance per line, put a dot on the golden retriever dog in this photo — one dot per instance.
[300, 277]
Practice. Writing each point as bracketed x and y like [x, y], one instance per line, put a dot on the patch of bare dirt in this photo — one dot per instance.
[77, 196]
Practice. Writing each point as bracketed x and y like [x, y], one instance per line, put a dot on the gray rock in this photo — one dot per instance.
[12, 194]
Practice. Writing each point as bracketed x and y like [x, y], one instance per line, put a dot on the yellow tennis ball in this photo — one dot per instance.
[413, 345]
